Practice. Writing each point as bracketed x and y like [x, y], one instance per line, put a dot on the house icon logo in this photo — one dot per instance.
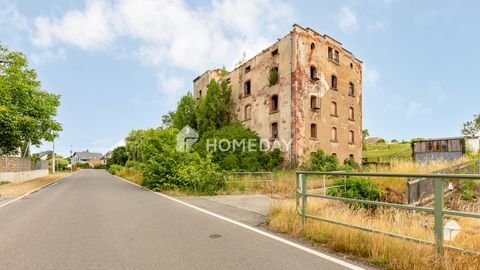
[186, 138]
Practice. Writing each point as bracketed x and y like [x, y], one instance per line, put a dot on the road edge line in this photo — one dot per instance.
[34, 190]
[258, 231]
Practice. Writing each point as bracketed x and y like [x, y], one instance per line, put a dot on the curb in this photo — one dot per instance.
[34, 190]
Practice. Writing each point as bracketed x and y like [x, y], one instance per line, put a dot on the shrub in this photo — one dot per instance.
[356, 188]
[273, 76]
[119, 156]
[82, 165]
[134, 164]
[114, 169]
[468, 190]
[320, 161]
[100, 166]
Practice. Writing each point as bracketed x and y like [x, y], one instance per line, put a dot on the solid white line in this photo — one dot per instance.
[32, 191]
[271, 236]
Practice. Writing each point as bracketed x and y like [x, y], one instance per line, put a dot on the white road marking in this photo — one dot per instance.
[266, 234]
[33, 191]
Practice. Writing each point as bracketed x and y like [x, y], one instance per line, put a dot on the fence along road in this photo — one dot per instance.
[94, 220]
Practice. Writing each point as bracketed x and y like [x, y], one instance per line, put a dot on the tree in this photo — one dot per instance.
[167, 119]
[27, 113]
[119, 156]
[186, 113]
[215, 109]
[471, 128]
[365, 134]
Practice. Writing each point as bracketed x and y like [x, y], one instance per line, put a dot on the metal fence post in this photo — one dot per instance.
[438, 213]
[303, 180]
[297, 198]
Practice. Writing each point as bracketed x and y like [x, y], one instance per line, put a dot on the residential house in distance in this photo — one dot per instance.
[305, 88]
[444, 148]
[45, 155]
[87, 157]
[106, 157]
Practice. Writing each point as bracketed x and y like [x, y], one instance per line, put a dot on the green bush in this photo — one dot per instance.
[356, 188]
[119, 156]
[468, 190]
[100, 166]
[320, 161]
[82, 165]
[114, 169]
[134, 164]
[273, 76]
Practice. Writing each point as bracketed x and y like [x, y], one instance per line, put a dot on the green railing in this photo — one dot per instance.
[438, 210]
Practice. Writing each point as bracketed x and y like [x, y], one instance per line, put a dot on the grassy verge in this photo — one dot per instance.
[18, 189]
[380, 250]
[132, 174]
[383, 151]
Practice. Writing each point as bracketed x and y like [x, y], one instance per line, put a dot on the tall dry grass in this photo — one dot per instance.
[385, 251]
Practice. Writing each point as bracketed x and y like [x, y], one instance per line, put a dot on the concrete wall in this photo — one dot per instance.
[17, 177]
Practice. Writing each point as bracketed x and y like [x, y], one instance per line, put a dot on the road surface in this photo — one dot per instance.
[92, 220]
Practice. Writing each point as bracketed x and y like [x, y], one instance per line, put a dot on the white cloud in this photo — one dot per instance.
[10, 18]
[47, 56]
[347, 20]
[170, 33]
[88, 29]
[370, 76]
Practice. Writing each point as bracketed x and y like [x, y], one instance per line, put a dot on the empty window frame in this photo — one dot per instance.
[351, 137]
[247, 69]
[351, 157]
[351, 114]
[275, 52]
[314, 103]
[274, 103]
[333, 135]
[247, 88]
[200, 93]
[275, 130]
[313, 130]
[336, 57]
[312, 46]
[248, 112]
[333, 109]
[334, 82]
[351, 89]
[313, 73]
[330, 53]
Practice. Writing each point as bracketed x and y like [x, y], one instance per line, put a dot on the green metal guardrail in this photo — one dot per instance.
[438, 210]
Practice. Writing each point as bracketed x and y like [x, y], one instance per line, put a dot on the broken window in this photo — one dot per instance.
[247, 69]
[334, 134]
[351, 89]
[248, 88]
[248, 112]
[351, 114]
[274, 104]
[228, 80]
[275, 52]
[314, 104]
[200, 93]
[313, 130]
[313, 73]
[336, 58]
[330, 53]
[351, 137]
[334, 82]
[312, 46]
[274, 130]
[333, 109]
[351, 156]
[334, 155]
[273, 76]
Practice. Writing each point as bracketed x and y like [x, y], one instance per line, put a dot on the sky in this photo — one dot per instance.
[121, 65]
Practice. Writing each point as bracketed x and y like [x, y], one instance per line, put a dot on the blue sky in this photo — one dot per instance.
[121, 65]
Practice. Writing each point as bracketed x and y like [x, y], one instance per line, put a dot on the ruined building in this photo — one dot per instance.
[306, 88]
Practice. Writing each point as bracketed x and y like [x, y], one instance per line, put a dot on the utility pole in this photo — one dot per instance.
[53, 157]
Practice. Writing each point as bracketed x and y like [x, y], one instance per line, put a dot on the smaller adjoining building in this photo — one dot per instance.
[444, 148]
[45, 155]
[106, 157]
[87, 157]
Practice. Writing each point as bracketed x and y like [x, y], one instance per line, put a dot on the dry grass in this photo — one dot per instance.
[18, 189]
[385, 251]
[131, 174]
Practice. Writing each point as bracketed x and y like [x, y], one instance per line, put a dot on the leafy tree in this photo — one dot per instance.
[215, 109]
[119, 156]
[365, 134]
[27, 113]
[186, 113]
[356, 188]
[167, 119]
[471, 128]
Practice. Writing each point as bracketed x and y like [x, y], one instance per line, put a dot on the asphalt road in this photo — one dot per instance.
[92, 220]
